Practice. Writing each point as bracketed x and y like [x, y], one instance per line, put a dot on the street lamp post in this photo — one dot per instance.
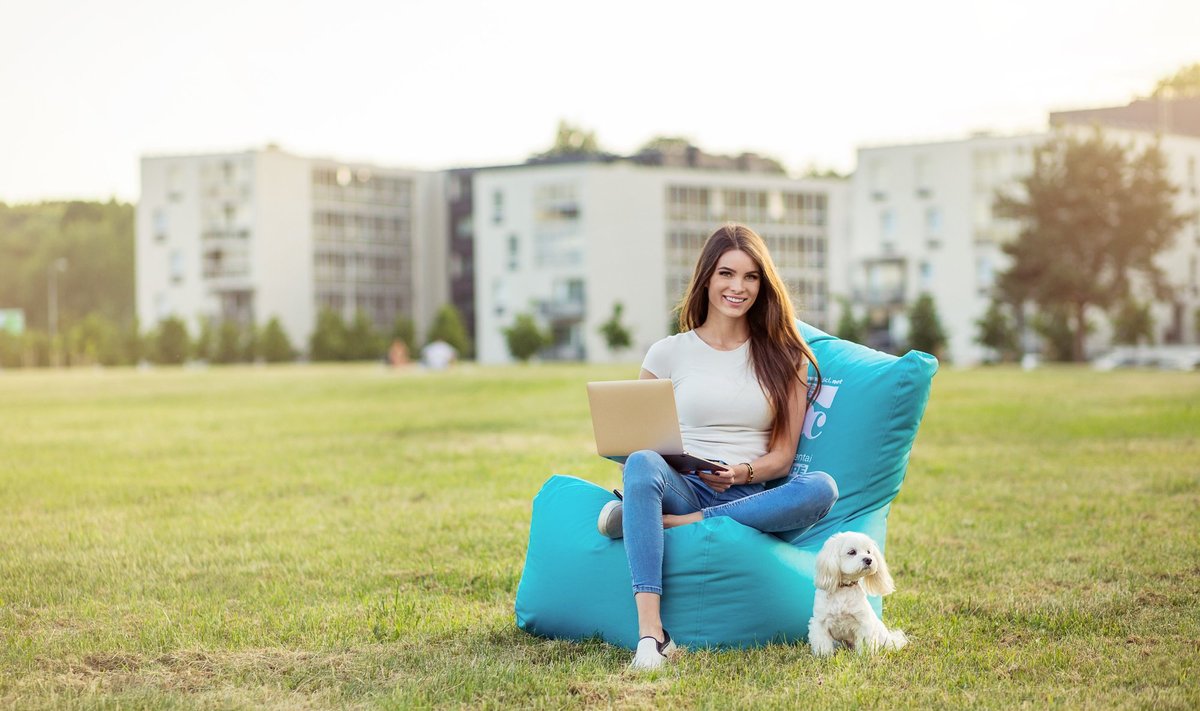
[58, 265]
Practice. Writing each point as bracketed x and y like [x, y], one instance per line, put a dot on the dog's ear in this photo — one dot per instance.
[880, 583]
[829, 569]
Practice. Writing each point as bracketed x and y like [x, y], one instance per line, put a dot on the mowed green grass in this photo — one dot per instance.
[310, 537]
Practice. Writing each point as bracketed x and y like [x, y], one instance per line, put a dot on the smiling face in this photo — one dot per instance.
[734, 285]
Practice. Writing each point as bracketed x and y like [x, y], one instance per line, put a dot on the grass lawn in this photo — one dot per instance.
[344, 536]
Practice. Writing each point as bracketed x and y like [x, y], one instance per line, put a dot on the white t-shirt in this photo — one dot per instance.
[723, 412]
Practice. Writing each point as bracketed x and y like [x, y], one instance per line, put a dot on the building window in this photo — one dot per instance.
[878, 177]
[175, 266]
[933, 222]
[556, 205]
[745, 205]
[688, 204]
[887, 225]
[497, 207]
[514, 247]
[984, 275]
[160, 226]
[933, 227]
[921, 176]
[499, 296]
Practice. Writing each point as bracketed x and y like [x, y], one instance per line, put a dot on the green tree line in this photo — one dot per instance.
[95, 240]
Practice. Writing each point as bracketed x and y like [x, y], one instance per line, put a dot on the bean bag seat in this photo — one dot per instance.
[725, 584]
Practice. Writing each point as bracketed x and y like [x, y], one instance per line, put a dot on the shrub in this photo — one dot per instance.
[525, 338]
[171, 341]
[275, 346]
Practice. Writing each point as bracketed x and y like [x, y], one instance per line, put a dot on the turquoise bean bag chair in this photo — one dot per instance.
[725, 584]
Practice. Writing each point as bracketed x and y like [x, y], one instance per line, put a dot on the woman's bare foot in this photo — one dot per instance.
[671, 520]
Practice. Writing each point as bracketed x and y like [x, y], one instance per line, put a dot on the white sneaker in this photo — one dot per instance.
[609, 523]
[652, 654]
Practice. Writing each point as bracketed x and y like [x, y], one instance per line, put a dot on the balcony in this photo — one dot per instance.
[561, 311]
[887, 296]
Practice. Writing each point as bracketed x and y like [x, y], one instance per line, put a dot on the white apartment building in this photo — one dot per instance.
[565, 242]
[923, 222]
[262, 233]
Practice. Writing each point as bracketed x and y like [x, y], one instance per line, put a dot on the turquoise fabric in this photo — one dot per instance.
[727, 585]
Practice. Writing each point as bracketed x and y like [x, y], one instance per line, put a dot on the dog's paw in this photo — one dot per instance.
[822, 648]
[896, 639]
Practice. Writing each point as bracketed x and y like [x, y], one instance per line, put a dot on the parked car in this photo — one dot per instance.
[1167, 357]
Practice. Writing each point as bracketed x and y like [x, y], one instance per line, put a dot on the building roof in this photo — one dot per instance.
[1177, 115]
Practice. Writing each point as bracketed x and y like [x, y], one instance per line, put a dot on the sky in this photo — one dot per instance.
[87, 87]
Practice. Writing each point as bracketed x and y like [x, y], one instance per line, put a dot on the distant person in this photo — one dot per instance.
[398, 354]
[438, 355]
[739, 368]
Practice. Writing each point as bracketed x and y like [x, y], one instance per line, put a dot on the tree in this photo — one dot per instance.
[448, 327]
[616, 335]
[35, 349]
[362, 342]
[249, 343]
[1185, 82]
[203, 347]
[328, 340]
[673, 324]
[171, 341]
[95, 339]
[1093, 216]
[228, 348]
[924, 327]
[275, 346]
[97, 241]
[998, 332]
[1133, 323]
[1053, 324]
[850, 328]
[525, 338]
[133, 343]
[11, 350]
[666, 143]
[570, 139]
[815, 171]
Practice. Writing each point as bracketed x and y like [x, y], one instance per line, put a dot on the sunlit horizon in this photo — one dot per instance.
[92, 87]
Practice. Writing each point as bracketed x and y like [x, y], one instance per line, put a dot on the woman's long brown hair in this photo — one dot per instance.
[777, 350]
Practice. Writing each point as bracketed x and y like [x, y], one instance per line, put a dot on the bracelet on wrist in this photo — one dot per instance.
[749, 472]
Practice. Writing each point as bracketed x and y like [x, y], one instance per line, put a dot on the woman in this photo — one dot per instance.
[739, 368]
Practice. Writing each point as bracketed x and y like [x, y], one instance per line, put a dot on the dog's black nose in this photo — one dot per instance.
[866, 561]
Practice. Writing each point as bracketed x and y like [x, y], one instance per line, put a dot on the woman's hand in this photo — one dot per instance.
[718, 480]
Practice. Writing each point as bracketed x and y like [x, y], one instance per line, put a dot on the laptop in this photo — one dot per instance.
[631, 415]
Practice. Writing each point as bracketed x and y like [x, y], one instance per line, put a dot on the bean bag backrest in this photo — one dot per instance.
[862, 426]
[726, 584]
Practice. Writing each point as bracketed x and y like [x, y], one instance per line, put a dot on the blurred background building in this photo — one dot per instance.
[922, 222]
[261, 234]
[568, 241]
[567, 237]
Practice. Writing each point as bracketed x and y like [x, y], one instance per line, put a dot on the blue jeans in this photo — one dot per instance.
[653, 488]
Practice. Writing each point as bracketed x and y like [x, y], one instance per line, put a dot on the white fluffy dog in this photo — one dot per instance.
[849, 567]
